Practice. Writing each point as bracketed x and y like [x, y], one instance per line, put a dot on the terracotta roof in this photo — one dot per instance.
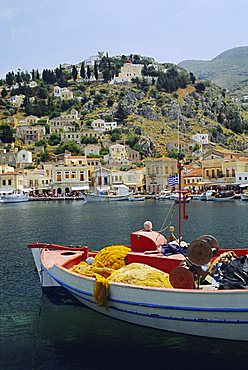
[197, 172]
[161, 159]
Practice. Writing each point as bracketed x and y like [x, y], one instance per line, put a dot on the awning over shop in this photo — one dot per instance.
[243, 185]
[79, 187]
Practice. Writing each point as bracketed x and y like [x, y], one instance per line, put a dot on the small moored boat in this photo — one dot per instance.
[16, 196]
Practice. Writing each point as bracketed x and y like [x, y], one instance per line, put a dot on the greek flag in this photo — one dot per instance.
[173, 180]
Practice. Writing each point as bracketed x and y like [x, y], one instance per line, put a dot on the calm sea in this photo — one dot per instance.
[45, 330]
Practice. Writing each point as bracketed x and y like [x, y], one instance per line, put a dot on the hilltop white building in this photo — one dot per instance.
[128, 72]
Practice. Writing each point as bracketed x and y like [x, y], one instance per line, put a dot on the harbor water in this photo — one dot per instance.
[49, 330]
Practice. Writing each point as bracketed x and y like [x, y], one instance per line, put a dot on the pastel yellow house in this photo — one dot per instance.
[11, 180]
[157, 172]
[69, 178]
[135, 179]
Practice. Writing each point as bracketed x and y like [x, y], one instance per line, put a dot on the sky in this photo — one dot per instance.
[45, 33]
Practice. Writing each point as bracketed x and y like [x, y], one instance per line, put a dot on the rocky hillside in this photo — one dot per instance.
[148, 110]
[227, 70]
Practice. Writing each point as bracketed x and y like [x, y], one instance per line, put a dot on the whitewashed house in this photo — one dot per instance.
[23, 158]
[62, 93]
[101, 125]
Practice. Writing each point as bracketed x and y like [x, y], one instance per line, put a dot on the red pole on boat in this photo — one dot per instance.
[182, 200]
[179, 168]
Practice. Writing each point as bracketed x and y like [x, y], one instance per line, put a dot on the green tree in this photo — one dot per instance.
[95, 71]
[4, 93]
[82, 71]
[74, 73]
[9, 78]
[71, 146]
[88, 72]
[54, 139]
[6, 134]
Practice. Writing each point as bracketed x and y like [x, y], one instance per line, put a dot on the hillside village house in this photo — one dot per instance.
[93, 134]
[91, 149]
[201, 138]
[62, 93]
[8, 158]
[71, 135]
[29, 120]
[23, 158]
[90, 61]
[17, 100]
[157, 172]
[117, 157]
[133, 155]
[31, 134]
[101, 125]
[64, 122]
[128, 72]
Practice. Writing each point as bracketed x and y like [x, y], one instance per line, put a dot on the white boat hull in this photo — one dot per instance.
[224, 199]
[9, 199]
[106, 198]
[214, 314]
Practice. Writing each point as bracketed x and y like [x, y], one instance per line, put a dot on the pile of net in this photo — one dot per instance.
[230, 271]
[110, 265]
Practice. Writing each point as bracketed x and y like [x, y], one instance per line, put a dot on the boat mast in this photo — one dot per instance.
[182, 193]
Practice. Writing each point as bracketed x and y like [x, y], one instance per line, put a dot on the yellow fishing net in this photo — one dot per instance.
[110, 265]
[113, 256]
[141, 274]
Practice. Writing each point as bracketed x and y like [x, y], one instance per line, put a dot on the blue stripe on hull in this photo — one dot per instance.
[78, 293]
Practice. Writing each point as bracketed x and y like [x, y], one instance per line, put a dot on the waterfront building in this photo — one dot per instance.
[193, 179]
[38, 181]
[69, 178]
[11, 180]
[157, 172]
[135, 179]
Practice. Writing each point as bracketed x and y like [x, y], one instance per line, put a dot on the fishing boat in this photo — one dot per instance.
[16, 196]
[224, 196]
[136, 198]
[163, 195]
[193, 300]
[207, 195]
[121, 192]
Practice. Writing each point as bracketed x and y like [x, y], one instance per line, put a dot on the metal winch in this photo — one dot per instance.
[199, 254]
